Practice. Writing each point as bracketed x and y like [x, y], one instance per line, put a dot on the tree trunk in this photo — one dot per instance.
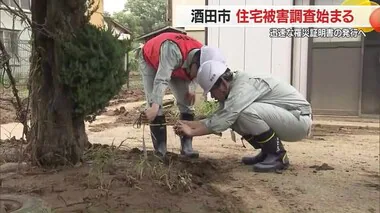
[57, 137]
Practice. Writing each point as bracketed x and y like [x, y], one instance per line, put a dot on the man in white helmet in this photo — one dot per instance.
[262, 110]
[172, 59]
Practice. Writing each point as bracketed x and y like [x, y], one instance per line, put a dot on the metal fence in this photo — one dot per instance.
[20, 52]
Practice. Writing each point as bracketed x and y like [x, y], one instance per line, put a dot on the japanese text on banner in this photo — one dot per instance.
[267, 16]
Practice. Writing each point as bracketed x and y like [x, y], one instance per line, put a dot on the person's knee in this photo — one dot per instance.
[285, 124]
[254, 125]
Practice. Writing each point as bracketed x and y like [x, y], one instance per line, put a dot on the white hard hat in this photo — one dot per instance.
[211, 53]
[209, 72]
[206, 53]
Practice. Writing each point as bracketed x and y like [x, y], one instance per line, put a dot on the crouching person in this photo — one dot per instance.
[263, 110]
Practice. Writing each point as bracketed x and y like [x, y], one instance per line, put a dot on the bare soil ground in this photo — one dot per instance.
[114, 180]
[335, 170]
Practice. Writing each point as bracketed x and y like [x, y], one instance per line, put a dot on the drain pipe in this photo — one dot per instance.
[292, 53]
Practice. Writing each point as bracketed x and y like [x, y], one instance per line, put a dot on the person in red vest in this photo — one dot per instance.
[172, 59]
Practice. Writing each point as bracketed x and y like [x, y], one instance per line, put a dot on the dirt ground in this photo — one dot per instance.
[335, 170]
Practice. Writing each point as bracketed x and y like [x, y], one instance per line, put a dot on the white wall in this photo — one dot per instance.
[300, 59]
[9, 21]
[229, 39]
[117, 32]
[251, 49]
[122, 36]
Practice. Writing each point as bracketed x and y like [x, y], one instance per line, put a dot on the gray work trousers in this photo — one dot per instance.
[259, 117]
[178, 87]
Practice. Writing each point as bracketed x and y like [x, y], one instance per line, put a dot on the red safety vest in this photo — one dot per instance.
[151, 50]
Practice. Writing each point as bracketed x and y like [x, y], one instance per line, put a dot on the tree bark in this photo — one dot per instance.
[56, 136]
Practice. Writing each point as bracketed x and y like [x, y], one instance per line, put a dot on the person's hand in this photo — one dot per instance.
[176, 128]
[144, 119]
[182, 129]
[152, 112]
[190, 97]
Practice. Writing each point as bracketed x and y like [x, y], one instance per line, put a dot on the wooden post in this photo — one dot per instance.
[169, 11]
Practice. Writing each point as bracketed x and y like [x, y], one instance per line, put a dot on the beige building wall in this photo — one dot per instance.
[97, 17]
[195, 32]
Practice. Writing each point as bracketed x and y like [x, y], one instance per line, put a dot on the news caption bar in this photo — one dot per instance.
[315, 33]
[331, 16]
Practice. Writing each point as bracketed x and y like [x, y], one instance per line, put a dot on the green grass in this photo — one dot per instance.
[205, 108]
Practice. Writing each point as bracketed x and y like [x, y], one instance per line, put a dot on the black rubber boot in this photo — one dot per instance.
[158, 134]
[187, 142]
[251, 160]
[276, 157]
